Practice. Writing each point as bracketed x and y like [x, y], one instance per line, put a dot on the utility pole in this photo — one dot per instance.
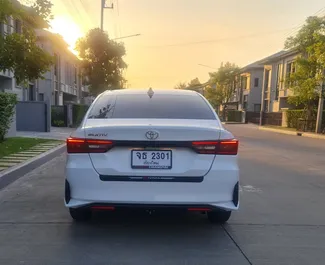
[103, 7]
[320, 109]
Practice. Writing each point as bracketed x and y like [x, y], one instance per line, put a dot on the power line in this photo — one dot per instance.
[207, 66]
[219, 40]
[300, 25]
[73, 10]
[292, 31]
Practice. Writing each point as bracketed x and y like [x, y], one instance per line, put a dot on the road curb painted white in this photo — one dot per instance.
[302, 134]
[13, 173]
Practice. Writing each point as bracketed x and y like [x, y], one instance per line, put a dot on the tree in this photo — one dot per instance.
[225, 81]
[181, 85]
[102, 61]
[194, 85]
[19, 51]
[194, 82]
[214, 96]
[307, 80]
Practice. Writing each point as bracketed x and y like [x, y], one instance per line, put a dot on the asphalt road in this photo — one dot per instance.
[281, 219]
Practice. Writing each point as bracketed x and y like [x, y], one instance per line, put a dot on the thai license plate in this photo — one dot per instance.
[153, 159]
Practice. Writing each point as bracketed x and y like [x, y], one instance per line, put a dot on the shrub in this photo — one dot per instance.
[58, 116]
[234, 115]
[58, 123]
[7, 109]
[293, 117]
[78, 113]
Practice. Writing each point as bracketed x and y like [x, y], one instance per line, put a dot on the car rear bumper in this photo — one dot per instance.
[86, 188]
[147, 206]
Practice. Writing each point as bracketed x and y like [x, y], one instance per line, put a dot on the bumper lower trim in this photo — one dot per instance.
[131, 206]
[151, 179]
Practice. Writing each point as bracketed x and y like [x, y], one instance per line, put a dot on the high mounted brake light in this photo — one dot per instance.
[222, 147]
[78, 145]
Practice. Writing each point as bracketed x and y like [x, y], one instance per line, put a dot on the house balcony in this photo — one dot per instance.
[6, 73]
[283, 93]
[72, 90]
[85, 89]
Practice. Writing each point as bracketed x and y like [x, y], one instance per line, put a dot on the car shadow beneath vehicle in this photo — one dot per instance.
[157, 221]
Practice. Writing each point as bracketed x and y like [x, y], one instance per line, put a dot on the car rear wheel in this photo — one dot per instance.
[80, 215]
[219, 216]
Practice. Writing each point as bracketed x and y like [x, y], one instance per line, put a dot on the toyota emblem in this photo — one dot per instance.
[152, 135]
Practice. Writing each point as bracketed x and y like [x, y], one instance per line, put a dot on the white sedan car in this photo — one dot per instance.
[152, 149]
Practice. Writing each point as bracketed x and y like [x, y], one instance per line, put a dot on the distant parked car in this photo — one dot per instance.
[152, 149]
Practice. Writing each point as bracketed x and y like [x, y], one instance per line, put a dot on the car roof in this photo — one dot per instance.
[131, 91]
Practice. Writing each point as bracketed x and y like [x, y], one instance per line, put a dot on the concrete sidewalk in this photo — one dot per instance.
[56, 133]
[295, 133]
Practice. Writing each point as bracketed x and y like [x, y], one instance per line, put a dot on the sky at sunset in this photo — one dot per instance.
[178, 35]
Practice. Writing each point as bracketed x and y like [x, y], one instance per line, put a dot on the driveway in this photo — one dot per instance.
[281, 219]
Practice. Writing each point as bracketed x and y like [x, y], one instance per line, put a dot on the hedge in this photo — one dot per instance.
[78, 113]
[7, 109]
[234, 115]
[231, 115]
[293, 117]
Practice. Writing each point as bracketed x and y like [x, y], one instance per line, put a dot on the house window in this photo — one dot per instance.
[257, 107]
[18, 28]
[267, 80]
[244, 82]
[75, 75]
[245, 102]
[266, 105]
[291, 68]
[67, 70]
[56, 64]
[2, 29]
[40, 97]
[31, 92]
[56, 98]
[279, 80]
[256, 81]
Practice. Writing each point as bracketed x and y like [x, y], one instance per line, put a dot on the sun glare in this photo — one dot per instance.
[68, 29]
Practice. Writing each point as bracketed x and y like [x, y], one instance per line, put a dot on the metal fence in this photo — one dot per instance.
[59, 116]
[252, 117]
[272, 118]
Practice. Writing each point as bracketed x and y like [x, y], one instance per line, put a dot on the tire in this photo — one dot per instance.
[80, 215]
[219, 216]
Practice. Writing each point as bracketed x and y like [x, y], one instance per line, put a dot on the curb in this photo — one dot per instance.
[14, 173]
[232, 122]
[302, 134]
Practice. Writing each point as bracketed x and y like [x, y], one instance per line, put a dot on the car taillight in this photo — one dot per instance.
[222, 147]
[77, 145]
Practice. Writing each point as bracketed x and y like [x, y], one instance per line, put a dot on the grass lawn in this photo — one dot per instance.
[19, 144]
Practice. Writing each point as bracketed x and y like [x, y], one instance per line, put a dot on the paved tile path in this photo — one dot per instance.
[17, 158]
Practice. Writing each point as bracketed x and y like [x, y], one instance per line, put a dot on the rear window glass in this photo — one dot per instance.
[160, 106]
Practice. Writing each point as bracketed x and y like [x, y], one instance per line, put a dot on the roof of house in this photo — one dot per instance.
[56, 38]
[279, 55]
[260, 63]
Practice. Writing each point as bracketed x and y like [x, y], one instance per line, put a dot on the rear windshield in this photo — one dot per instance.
[160, 106]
